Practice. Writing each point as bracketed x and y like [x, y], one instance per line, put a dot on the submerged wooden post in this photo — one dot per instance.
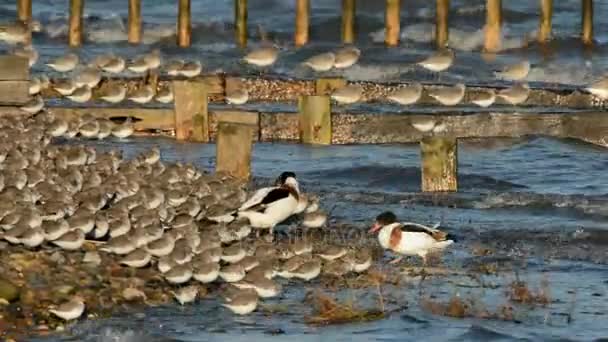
[493, 25]
[392, 22]
[302, 21]
[546, 14]
[439, 157]
[75, 30]
[24, 10]
[315, 119]
[325, 86]
[441, 24]
[184, 31]
[234, 144]
[191, 113]
[587, 19]
[348, 21]
[134, 21]
[240, 22]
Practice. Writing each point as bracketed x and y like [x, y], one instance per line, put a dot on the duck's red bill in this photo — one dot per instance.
[376, 227]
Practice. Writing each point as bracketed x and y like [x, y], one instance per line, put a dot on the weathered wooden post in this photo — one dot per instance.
[493, 25]
[348, 21]
[14, 83]
[441, 24]
[546, 14]
[439, 157]
[75, 29]
[191, 113]
[24, 10]
[587, 19]
[240, 22]
[315, 119]
[184, 31]
[235, 134]
[325, 86]
[134, 21]
[392, 23]
[302, 21]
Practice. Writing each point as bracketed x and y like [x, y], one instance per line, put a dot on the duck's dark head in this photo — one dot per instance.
[284, 176]
[382, 220]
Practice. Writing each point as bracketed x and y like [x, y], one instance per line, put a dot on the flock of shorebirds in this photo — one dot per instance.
[78, 87]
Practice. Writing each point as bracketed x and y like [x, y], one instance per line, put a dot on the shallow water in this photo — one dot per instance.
[522, 198]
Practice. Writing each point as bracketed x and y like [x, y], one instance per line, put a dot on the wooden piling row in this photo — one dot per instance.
[302, 22]
[184, 29]
[441, 23]
[24, 10]
[546, 14]
[240, 22]
[392, 22]
[587, 21]
[134, 21]
[75, 28]
[348, 21]
[493, 25]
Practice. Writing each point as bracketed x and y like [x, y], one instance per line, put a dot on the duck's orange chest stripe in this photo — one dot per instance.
[395, 238]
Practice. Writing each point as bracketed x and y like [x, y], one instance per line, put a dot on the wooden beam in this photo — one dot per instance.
[442, 23]
[184, 29]
[75, 29]
[492, 40]
[14, 92]
[135, 21]
[240, 22]
[392, 22]
[144, 118]
[302, 22]
[348, 21]
[546, 14]
[14, 68]
[315, 119]
[24, 10]
[325, 86]
[439, 157]
[191, 113]
[234, 146]
[587, 20]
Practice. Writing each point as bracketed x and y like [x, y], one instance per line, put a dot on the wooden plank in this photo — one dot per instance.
[315, 119]
[14, 68]
[348, 21]
[233, 149]
[238, 116]
[191, 115]
[144, 118]
[325, 86]
[14, 92]
[439, 157]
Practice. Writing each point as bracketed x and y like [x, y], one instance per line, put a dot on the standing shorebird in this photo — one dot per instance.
[262, 57]
[346, 57]
[514, 72]
[321, 62]
[439, 61]
[516, 94]
[348, 95]
[449, 96]
[407, 95]
[599, 88]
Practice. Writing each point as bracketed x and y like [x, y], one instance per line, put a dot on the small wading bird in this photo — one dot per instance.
[408, 238]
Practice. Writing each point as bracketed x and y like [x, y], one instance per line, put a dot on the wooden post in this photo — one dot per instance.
[75, 30]
[325, 86]
[348, 21]
[134, 21]
[441, 24]
[234, 144]
[191, 114]
[184, 31]
[24, 10]
[315, 119]
[546, 12]
[439, 157]
[14, 80]
[240, 21]
[493, 24]
[302, 21]
[587, 19]
[392, 22]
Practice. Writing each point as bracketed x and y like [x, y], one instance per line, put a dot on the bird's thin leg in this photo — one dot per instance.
[395, 261]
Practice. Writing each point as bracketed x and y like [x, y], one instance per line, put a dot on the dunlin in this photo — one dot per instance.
[65, 87]
[191, 69]
[185, 294]
[233, 254]
[516, 94]
[243, 303]
[514, 72]
[14, 33]
[32, 238]
[165, 95]
[142, 95]
[332, 252]
[121, 245]
[449, 96]
[69, 310]
[55, 229]
[71, 240]
[316, 219]
[26, 51]
[162, 246]
[308, 271]
[232, 273]
[173, 67]
[81, 94]
[439, 61]
[348, 95]
[206, 272]
[115, 93]
[179, 274]
[123, 130]
[599, 88]
[263, 56]
[88, 76]
[346, 57]
[137, 259]
[89, 129]
[407, 95]
[321, 62]
[64, 63]
[34, 105]
[114, 65]
[485, 99]
[34, 86]
[264, 287]
[237, 96]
